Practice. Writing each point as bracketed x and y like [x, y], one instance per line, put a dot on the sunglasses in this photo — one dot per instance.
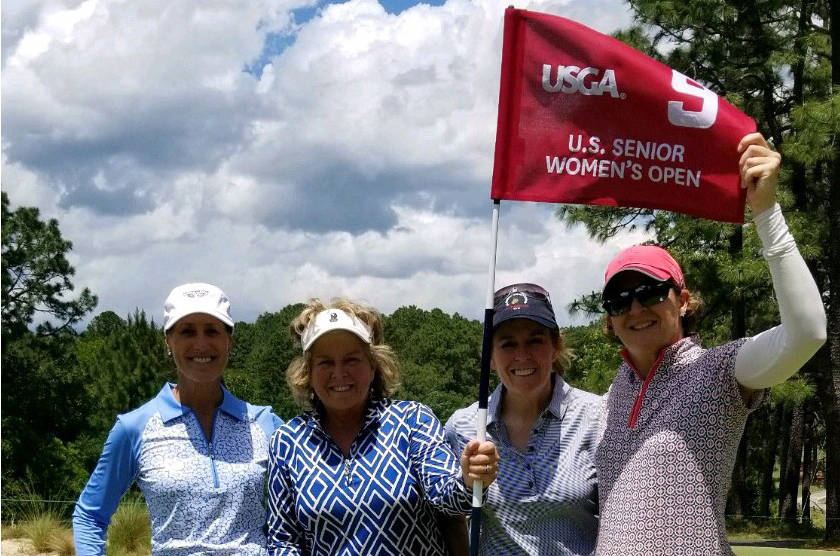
[647, 294]
[520, 293]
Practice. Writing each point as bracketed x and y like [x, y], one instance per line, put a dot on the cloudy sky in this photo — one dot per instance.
[279, 149]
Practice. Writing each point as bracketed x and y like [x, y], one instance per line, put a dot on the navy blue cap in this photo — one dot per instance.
[523, 301]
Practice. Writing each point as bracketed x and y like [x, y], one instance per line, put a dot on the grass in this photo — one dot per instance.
[130, 531]
[12, 531]
[48, 533]
[128, 535]
[765, 551]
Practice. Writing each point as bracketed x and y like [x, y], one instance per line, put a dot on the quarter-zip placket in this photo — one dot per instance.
[209, 443]
[348, 472]
[640, 397]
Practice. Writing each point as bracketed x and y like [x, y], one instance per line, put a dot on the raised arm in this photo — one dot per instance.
[774, 355]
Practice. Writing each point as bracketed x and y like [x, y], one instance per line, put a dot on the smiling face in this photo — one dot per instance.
[644, 331]
[341, 372]
[523, 353]
[200, 345]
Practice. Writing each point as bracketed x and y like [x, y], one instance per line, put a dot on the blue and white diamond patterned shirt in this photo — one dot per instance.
[377, 501]
[205, 496]
[545, 501]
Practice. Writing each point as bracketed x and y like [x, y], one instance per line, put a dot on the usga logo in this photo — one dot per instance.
[572, 79]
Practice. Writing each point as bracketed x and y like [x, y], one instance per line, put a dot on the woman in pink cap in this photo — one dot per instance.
[675, 412]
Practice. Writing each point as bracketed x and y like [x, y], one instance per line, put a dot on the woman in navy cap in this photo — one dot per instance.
[675, 412]
[545, 499]
[198, 453]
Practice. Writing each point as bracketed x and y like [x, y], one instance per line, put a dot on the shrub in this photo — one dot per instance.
[47, 531]
[61, 542]
[130, 531]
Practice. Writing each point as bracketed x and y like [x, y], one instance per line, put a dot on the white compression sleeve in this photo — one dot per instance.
[773, 355]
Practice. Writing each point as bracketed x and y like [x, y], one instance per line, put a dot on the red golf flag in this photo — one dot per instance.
[584, 118]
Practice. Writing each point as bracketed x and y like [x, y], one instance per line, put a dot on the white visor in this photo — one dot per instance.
[333, 319]
[187, 299]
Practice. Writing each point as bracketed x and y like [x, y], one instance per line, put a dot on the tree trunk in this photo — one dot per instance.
[738, 501]
[798, 177]
[790, 480]
[809, 462]
[739, 314]
[771, 445]
[784, 438]
[832, 393]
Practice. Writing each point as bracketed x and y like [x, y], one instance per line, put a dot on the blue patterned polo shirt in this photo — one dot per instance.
[205, 495]
[544, 501]
[377, 501]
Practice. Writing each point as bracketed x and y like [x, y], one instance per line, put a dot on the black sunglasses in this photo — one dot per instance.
[647, 294]
[507, 295]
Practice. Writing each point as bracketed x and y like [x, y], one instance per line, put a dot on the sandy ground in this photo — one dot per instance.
[19, 547]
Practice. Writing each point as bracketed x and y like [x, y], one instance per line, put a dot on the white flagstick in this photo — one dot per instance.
[484, 379]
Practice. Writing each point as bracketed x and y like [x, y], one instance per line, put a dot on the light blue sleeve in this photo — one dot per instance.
[114, 473]
[451, 435]
[264, 415]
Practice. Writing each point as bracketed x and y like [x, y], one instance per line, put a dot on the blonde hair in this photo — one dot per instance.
[386, 372]
[563, 360]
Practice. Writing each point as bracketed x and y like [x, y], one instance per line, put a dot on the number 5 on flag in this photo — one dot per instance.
[679, 116]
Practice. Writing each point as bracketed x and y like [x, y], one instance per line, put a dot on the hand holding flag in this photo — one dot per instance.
[759, 166]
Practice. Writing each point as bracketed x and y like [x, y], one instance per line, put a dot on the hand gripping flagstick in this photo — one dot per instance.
[484, 379]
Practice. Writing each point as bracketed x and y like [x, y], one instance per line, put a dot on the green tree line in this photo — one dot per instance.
[61, 389]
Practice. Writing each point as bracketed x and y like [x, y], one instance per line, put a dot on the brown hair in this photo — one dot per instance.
[563, 360]
[386, 370]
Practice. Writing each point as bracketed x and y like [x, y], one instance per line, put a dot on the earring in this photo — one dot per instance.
[682, 313]
[169, 353]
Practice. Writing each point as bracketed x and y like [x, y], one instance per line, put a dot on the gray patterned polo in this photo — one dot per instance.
[666, 457]
[544, 502]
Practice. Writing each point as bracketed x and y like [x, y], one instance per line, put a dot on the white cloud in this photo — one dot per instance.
[357, 164]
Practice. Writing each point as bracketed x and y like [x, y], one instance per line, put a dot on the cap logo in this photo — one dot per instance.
[333, 317]
[516, 298]
[196, 293]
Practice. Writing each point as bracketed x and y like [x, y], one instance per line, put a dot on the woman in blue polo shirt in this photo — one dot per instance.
[545, 500]
[198, 453]
[361, 473]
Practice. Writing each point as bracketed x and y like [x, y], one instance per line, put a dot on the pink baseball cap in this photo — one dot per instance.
[650, 260]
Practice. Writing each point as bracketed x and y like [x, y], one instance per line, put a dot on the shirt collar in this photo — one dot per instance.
[170, 408]
[667, 356]
[556, 405]
[373, 413]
